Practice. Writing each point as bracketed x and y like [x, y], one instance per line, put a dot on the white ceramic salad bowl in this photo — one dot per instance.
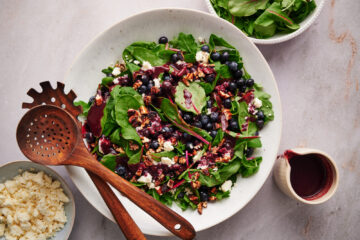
[278, 38]
[85, 74]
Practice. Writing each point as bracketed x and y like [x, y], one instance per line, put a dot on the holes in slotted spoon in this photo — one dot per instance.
[27, 135]
[31, 124]
[35, 138]
[177, 226]
[45, 115]
[63, 106]
[53, 99]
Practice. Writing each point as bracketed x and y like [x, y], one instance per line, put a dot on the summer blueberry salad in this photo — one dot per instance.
[179, 119]
[264, 18]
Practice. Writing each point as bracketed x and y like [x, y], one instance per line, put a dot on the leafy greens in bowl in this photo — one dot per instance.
[268, 21]
[178, 119]
[85, 74]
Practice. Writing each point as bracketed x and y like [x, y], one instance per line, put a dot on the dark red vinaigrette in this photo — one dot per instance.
[310, 175]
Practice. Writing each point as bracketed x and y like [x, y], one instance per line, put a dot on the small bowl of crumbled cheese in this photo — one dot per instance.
[35, 203]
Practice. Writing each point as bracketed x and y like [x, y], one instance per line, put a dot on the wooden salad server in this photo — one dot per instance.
[57, 97]
[49, 135]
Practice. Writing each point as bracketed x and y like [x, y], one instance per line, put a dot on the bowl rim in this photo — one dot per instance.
[195, 12]
[61, 180]
[285, 37]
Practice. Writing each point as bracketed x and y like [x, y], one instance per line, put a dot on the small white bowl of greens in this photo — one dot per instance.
[268, 21]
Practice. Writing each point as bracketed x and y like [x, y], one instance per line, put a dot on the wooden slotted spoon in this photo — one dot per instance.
[49, 135]
[58, 97]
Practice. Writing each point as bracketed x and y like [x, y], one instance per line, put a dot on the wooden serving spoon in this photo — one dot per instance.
[49, 135]
[59, 98]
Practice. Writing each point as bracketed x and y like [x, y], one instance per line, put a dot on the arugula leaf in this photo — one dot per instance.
[218, 41]
[241, 8]
[250, 166]
[223, 174]
[109, 161]
[197, 100]
[185, 42]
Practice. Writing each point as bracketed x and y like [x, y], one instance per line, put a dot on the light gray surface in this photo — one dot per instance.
[318, 77]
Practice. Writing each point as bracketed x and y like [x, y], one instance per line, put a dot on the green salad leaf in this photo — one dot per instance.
[243, 8]
[195, 102]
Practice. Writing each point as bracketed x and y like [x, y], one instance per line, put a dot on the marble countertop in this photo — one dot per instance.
[318, 77]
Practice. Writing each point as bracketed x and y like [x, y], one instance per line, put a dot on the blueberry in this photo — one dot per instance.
[208, 126]
[186, 136]
[187, 117]
[167, 77]
[249, 152]
[233, 66]
[227, 145]
[250, 82]
[224, 57]
[205, 48]
[181, 195]
[203, 196]
[189, 146]
[227, 63]
[214, 116]
[260, 123]
[213, 133]
[163, 40]
[145, 79]
[204, 119]
[180, 56]
[165, 130]
[243, 89]
[260, 115]
[91, 100]
[209, 104]
[174, 58]
[233, 125]
[240, 83]
[150, 85]
[227, 103]
[89, 137]
[142, 89]
[167, 85]
[154, 145]
[232, 86]
[121, 171]
[197, 124]
[210, 78]
[238, 74]
[215, 56]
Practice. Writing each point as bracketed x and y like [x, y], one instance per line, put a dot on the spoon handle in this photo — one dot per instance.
[122, 217]
[172, 221]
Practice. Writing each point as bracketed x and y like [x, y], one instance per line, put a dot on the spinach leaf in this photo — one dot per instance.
[122, 104]
[223, 174]
[106, 80]
[135, 158]
[109, 161]
[185, 42]
[193, 104]
[218, 138]
[171, 111]
[85, 107]
[157, 156]
[266, 107]
[241, 8]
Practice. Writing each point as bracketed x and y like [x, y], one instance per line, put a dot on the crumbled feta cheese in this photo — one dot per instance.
[257, 103]
[202, 56]
[197, 156]
[146, 66]
[167, 161]
[156, 82]
[215, 169]
[116, 71]
[226, 186]
[201, 39]
[98, 98]
[136, 62]
[151, 185]
[145, 140]
[188, 191]
[34, 207]
[116, 81]
[179, 62]
[145, 179]
[202, 167]
[168, 146]
[208, 111]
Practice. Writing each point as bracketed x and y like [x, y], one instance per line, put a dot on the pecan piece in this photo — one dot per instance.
[137, 84]
[199, 208]
[143, 110]
[195, 185]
